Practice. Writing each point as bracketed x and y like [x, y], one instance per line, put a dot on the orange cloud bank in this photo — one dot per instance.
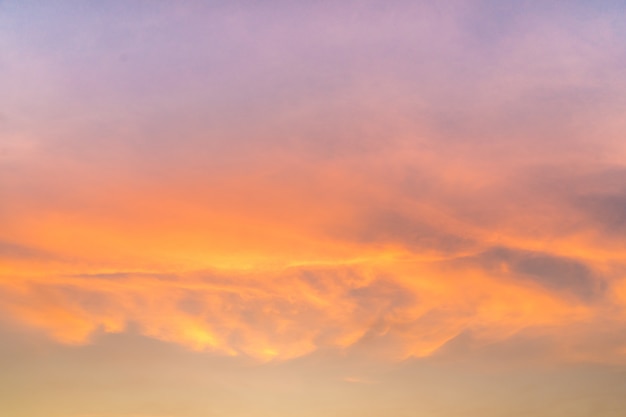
[395, 252]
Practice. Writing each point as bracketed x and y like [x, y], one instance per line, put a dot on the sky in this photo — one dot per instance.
[323, 208]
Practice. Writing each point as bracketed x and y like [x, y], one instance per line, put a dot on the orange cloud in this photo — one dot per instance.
[397, 249]
[302, 258]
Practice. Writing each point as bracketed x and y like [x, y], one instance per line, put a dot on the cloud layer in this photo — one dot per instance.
[282, 181]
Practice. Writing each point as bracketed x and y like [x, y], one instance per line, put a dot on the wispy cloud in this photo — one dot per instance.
[457, 171]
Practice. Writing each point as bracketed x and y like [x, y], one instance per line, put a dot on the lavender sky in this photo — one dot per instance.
[281, 208]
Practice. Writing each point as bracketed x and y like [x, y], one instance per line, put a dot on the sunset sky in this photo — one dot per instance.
[313, 208]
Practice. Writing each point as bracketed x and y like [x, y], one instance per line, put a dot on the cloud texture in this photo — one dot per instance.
[276, 181]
